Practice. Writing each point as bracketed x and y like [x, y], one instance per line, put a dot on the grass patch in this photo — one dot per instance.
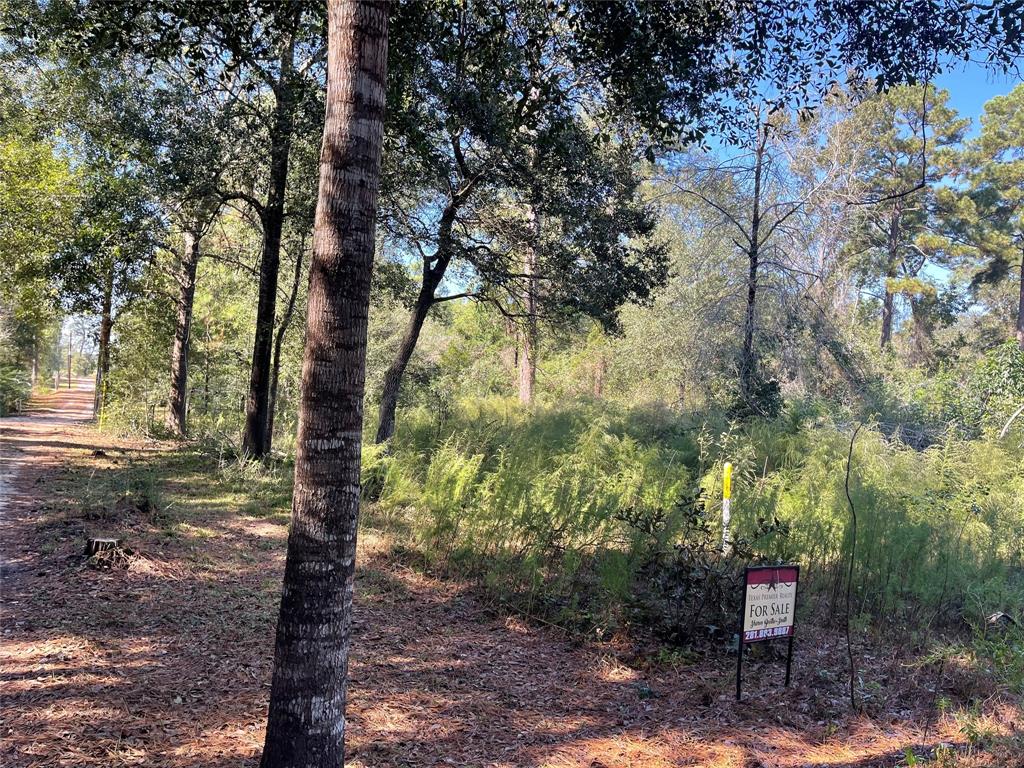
[195, 531]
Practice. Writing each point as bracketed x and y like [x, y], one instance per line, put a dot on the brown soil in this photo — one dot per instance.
[167, 662]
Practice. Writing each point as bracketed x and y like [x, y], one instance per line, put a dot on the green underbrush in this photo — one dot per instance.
[598, 517]
[15, 388]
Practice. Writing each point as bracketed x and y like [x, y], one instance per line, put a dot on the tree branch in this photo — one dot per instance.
[227, 196]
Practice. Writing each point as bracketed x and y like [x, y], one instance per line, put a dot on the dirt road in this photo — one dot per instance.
[166, 662]
[51, 429]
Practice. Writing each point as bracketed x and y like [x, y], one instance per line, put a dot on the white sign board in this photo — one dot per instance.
[769, 604]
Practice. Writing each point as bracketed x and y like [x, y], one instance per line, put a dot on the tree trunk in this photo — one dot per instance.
[528, 359]
[306, 721]
[509, 355]
[1020, 306]
[396, 371]
[255, 442]
[433, 273]
[599, 371]
[888, 305]
[278, 342]
[206, 367]
[103, 353]
[889, 300]
[748, 361]
[922, 339]
[747, 364]
[182, 332]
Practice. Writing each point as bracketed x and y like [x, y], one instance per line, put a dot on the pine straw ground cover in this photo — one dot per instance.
[167, 662]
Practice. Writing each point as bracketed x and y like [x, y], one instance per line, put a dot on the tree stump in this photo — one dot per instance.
[95, 546]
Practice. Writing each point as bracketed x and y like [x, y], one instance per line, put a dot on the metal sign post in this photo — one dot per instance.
[768, 612]
[726, 505]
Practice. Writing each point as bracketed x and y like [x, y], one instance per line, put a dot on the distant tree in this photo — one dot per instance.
[761, 202]
[535, 207]
[990, 216]
[284, 323]
[38, 198]
[187, 168]
[97, 271]
[262, 58]
[192, 232]
[98, 117]
[908, 138]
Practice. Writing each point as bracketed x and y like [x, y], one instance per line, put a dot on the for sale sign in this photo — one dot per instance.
[769, 603]
[769, 610]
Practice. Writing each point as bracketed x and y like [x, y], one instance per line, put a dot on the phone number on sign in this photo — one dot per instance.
[764, 634]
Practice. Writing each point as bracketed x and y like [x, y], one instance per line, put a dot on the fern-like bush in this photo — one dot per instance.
[594, 516]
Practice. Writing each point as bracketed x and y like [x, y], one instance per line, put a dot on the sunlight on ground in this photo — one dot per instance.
[167, 662]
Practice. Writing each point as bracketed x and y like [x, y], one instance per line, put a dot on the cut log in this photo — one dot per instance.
[93, 546]
[1000, 619]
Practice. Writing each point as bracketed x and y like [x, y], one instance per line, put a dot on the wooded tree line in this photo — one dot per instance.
[521, 191]
[694, 204]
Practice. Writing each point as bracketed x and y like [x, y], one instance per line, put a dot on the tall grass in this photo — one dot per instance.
[563, 509]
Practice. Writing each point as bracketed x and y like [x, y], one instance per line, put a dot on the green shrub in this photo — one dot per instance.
[592, 514]
[15, 388]
[693, 591]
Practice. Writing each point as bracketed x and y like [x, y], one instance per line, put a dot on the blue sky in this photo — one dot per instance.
[971, 85]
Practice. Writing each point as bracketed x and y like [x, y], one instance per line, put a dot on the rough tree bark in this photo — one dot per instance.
[182, 332]
[254, 439]
[306, 721]
[282, 329]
